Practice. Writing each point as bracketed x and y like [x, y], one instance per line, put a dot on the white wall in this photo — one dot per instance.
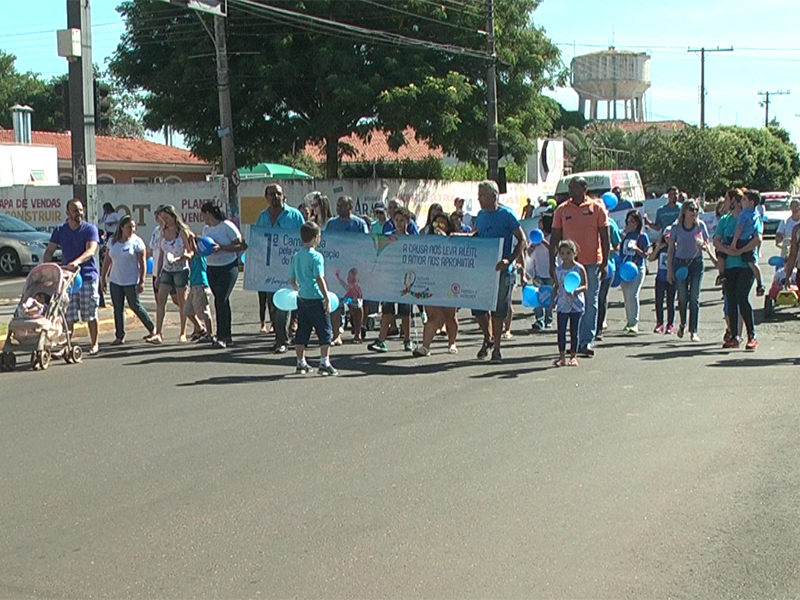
[18, 160]
[45, 207]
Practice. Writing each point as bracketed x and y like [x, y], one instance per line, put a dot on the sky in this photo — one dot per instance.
[765, 36]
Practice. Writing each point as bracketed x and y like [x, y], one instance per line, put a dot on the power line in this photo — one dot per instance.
[703, 51]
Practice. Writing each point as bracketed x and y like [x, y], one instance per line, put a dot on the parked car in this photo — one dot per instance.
[776, 210]
[21, 246]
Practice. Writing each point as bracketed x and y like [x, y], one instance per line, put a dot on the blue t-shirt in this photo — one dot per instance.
[638, 240]
[197, 271]
[725, 230]
[390, 229]
[748, 220]
[307, 265]
[465, 228]
[73, 244]
[352, 225]
[289, 218]
[667, 215]
[624, 205]
[615, 236]
[498, 223]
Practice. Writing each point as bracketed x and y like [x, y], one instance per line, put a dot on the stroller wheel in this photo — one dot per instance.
[43, 358]
[77, 354]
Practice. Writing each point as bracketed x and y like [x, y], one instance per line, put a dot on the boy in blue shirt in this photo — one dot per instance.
[746, 227]
[307, 276]
[197, 307]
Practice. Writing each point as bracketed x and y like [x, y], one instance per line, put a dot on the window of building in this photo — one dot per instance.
[173, 179]
[140, 180]
[105, 179]
[65, 179]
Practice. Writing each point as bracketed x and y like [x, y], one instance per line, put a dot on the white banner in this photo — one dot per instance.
[429, 269]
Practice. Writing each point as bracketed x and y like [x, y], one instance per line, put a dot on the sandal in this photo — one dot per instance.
[573, 362]
[198, 334]
[337, 341]
[182, 339]
[94, 350]
[154, 339]
[559, 362]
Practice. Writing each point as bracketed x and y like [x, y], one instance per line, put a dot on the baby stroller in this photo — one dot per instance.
[39, 325]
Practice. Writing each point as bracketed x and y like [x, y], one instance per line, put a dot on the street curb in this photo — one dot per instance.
[81, 330]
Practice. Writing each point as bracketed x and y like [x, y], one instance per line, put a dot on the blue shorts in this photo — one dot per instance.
[503, 297]
[175, 279]
[311, 314]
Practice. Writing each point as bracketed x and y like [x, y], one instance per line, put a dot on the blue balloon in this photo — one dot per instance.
[545, 295]
[776, 261]
[610, 200]
[77, 283]
[205, 246]
[628, 271]
[285, 299]
[334, 301]
[530, 297]
[612, 268]
[150, 265]
[242, 257]
[572, 281]
[537, 236]
[681, 273]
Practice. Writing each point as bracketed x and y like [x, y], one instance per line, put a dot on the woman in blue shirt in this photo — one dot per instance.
[634, 250]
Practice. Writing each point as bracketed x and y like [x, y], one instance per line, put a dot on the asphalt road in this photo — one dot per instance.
[660, 468]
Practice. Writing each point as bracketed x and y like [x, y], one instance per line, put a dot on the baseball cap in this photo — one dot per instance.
[378, 206]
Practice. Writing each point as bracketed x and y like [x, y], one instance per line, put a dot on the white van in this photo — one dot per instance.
[600, 182]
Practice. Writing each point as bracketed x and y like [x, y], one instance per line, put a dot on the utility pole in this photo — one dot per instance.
[225, 130]
[491, 85]
[765, 103]
[81, 108]
[703, 52]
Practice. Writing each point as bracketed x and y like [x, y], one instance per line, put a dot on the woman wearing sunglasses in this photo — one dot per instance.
[688, 239]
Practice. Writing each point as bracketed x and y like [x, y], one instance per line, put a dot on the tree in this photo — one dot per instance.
[26, 89]
[299, 81]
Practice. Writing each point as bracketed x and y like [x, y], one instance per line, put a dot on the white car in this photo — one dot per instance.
[776, 211]
[21, 246]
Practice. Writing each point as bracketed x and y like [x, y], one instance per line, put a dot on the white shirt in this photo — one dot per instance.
[224, 234]
[537, 263]
[155, 244]
[125, 258]
[110, 223]
[785, 229]
[172, 249]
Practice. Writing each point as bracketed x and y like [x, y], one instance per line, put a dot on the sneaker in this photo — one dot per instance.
[484, 351]
[378, 346]
[634, 329]
[206, 339]
[408, 346]
[302, 369]
[421, 351]
[669, 330]
[536, 327]
[279, 349]
[598, 336]
[327, 370]
[219, 344]
[496, 356]
[752, 344]
[659, 329]
[681, 329]
[730, 344]
[694, 337]
[727, 337]
[587, 351]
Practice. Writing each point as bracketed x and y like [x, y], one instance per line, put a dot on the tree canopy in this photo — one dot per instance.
[699, 161]
[295, 80]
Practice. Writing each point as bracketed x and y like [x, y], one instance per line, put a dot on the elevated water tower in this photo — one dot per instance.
[612, 76]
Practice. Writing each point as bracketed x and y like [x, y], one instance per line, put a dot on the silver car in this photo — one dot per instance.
[21, 246]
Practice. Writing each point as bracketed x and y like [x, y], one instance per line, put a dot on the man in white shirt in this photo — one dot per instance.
[783, 236]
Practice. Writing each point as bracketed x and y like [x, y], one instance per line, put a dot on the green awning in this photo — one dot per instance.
[271, 171]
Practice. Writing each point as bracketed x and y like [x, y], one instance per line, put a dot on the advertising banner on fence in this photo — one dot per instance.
[433, 270]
